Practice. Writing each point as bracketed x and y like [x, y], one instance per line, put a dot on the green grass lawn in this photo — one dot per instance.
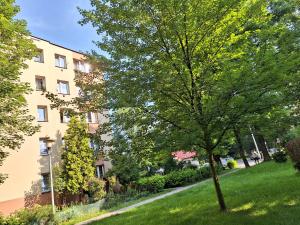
[84, 217]
[268, 194]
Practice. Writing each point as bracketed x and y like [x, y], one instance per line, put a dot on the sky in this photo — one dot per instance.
[57, 22]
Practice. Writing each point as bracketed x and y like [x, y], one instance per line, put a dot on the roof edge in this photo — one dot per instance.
[33, 36]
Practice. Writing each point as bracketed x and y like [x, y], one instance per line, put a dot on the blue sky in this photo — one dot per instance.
[57, 21]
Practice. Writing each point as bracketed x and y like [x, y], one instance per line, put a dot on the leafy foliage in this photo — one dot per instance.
[77, 166]
[293, 148]
[153, 184]
[15, 48]
[182, 177]
[125, 168]
[232, 164]
[280, 156]
[96, 189]
[41, 215]
[113, 199]
[183, 75]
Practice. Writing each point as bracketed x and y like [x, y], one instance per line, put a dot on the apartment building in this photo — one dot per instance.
[53, 69]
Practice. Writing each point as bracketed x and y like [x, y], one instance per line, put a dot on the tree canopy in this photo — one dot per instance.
[191, 68]
[15, 48]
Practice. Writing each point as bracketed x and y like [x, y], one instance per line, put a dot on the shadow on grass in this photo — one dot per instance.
[267, 194]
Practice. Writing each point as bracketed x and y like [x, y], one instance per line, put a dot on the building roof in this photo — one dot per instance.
[182, 155]
[57, 45]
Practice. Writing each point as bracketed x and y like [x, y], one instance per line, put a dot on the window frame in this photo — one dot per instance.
[61, 115]
[40, 55]
[45, 152]
[59, 89]
[85, 67]
[96, 116]
[45, 186]
[58, 56]
[37, 77]
[45, 108]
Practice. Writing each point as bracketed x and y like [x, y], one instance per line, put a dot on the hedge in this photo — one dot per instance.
[152, 184]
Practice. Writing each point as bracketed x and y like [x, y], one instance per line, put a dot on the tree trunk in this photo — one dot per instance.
[261, 145]
[237, 135]
[216, 183]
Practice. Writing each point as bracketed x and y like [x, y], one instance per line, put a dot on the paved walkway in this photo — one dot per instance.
[126, 209]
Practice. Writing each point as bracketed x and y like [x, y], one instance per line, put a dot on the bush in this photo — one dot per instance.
[113, 199]
[38, 215]
[204, 172]
[96, 189]
[152, 184]
[280, 156]
[293, 148]
[232, 164]
[76, 211]
[182, 177]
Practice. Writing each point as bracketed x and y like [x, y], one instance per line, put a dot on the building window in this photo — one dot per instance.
[100, 172]
[64, 116]
[42, 114]
[39, 57]
[63, 87]
[43, 147]
[40, 83]
[92, 117]
[60, 61]
[81, 66]
[45, 182]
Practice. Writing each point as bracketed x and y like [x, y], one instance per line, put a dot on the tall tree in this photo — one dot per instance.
[194, 67]
[238, 138]
[77, 166]
[15, 48]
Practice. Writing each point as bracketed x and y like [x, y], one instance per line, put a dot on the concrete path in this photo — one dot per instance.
[126, 209]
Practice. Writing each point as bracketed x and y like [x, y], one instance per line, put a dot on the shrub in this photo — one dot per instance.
[38, 215]
[204, 172]
[232, 164]
[280, 156]
[75, 211]
[96, 189]
[182, 177]
[113, 199]
[152, 184]
[293, 148]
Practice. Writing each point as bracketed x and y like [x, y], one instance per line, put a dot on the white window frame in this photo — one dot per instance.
[93, 118]
[59, 89]
[44, 151]
[45, 112]
[60, 61]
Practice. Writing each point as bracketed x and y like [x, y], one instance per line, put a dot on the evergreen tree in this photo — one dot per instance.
[15, 48]
[77, 166]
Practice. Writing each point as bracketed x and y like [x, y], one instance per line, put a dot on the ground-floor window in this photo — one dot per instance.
[45, 182]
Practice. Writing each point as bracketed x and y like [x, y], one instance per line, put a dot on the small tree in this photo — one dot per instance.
[77, 166]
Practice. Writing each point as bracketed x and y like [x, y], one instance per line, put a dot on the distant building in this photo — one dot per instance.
[53, 69]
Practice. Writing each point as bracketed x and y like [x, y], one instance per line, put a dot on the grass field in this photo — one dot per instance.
[268, 194]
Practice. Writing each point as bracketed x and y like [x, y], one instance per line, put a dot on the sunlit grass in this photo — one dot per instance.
[268, 194]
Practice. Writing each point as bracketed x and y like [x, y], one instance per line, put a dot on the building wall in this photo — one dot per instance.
[25, 166]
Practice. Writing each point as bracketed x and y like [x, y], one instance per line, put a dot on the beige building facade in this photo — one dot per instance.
[27, 168]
